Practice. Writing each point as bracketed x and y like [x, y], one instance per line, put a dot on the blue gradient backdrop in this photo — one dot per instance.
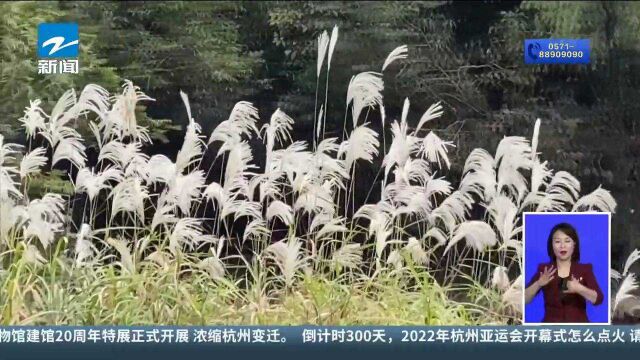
[593, 232]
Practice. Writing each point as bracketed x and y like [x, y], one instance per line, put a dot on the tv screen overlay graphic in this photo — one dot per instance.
[578, 292]
[58, 48]
[187, 180]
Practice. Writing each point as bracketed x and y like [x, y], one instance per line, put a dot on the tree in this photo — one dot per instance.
[19, 78]
[172, 46]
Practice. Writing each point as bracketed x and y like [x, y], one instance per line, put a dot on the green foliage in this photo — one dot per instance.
[54, 181]
[19, 79]
[173, 46]
[608, 24]
[368, 31]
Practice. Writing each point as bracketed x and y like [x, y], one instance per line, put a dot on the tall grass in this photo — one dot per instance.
[151, 240]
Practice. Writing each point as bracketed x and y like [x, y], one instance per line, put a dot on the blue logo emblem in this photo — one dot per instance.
[58, 40]
[557, 51]
[533, 49]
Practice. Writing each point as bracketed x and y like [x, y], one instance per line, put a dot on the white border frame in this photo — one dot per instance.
[524, 263]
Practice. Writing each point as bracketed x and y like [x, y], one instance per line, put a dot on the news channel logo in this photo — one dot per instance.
[58, 48]
[557, 51]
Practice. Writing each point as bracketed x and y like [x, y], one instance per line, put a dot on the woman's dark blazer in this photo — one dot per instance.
[569, 308]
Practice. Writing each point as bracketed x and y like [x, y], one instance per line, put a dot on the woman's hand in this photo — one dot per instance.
[574, 286]
[546, 276]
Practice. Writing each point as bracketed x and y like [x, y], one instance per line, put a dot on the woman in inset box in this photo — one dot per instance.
[566, 284]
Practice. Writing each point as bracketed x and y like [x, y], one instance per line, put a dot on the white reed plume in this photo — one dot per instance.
[277, 130]
[242, 120]
[403, 196]
[504, 216]
[433, 112]
[315, 198]
[159, 258]
[323, 44]
[395, 259]
[49, 208]
[239, 208]
[8, 186]
[402, 146]
[421, 199]
[192, 148]
[93, 98]
[213, 266]
[414, 248]
[237, 169]
[280, 210]
[128, 157]
[216, 192]
[288, 256]
[332, 45]
[32, 162]
[414, 170]
[90, 183]
[513, 153]
[319, 219]
[128, 196]
[228, 134]
[382, 233]
[362, 145]
[539, 174]
[562, 191]
[401, 52]
[164, 213]
[32, 255]
[293, 161]
[479, 175]
[44, 231]
[7, 151]
[378, 214]
[70, 149]
[186, 232]
[632, 258]
[161, 169]
[184, 190]
[625, 301]
[34, 118]
[500, 279]
[598, 199]
[268, 186]
[11, 217]
[333, 226]
[193, 145]
[348, 256]
[435, 150]
[319, 121]
[478, 234]
[534, 140]
[62, 112]
[568, 182]
[436, 233]
[121, 121]
[512, 298]
[45, 218]
[66, 141]
[365, 90]
[328, 167]
[84, 248]
[452, 210]
[256, 229]
[126, 259]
